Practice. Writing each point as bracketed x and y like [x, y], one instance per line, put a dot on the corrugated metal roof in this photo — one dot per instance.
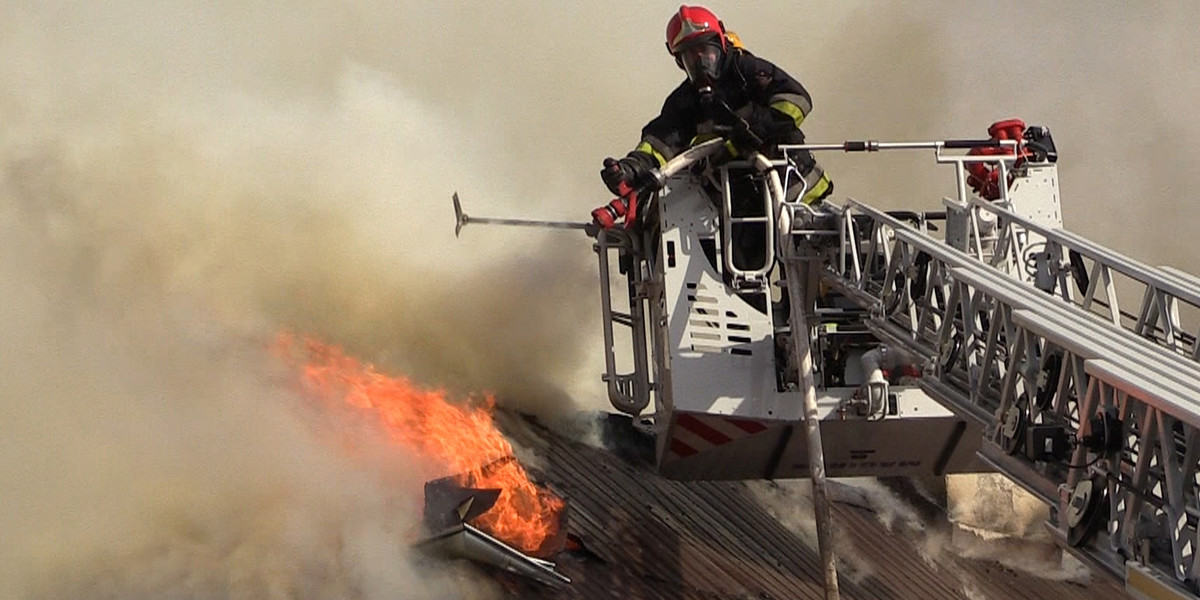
[645, 537]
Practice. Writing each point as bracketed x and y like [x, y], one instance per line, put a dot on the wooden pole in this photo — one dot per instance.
[797, 282]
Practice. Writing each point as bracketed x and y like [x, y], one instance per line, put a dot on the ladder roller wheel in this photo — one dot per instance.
[896, 303]
[1085, 512]
[1011, 434]
[948, 353]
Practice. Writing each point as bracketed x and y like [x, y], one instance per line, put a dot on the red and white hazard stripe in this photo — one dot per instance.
[695, 433]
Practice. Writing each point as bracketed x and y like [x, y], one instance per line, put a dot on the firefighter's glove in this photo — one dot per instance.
[744, 139]
[626, 170]
[750, 132]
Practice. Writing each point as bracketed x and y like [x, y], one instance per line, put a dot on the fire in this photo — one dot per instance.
[462, 439]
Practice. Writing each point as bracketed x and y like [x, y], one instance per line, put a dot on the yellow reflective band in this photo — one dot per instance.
[790, 110]
[648, 149]
[813, 195]
[731, 148]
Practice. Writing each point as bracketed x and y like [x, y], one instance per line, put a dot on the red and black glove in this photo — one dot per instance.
[628, 171]
[625, 177]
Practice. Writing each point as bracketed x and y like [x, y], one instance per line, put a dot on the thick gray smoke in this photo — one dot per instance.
[178, 184]
[180, 181]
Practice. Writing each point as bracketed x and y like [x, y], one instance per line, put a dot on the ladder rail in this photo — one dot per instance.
[994, 341]
[1162, 290]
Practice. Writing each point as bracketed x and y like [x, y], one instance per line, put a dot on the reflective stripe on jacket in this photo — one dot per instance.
[773, 102]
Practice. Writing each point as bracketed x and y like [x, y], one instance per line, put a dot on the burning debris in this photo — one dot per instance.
[460, 499]
[451, 507]
[489, 509]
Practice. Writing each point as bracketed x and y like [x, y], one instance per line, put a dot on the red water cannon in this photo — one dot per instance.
[984, 178]
[1034, 144]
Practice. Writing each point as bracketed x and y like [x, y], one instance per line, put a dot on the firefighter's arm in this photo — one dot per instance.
[784, 95]
[667, 134]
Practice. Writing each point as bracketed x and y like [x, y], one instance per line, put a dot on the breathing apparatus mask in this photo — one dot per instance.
[701, 60]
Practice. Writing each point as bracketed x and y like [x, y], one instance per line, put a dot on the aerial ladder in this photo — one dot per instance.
[769, 339]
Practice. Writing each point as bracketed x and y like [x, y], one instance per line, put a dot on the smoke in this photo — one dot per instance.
[790, 503]
[996, 520]
[180, 181]
[990, 519]
[995, 504]
[153, 454]
[177, 185]
[281, 183]
[1127, 147]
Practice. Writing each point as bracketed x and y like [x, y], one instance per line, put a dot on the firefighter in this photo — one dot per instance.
[728, 92]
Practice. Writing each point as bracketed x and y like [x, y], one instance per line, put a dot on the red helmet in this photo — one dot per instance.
[691, 23]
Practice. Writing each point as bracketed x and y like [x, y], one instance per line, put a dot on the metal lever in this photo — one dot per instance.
[461, 220]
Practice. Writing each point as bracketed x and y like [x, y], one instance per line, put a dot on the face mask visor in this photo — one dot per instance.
[702, 62]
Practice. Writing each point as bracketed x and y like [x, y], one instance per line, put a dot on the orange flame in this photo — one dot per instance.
[463, 439]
